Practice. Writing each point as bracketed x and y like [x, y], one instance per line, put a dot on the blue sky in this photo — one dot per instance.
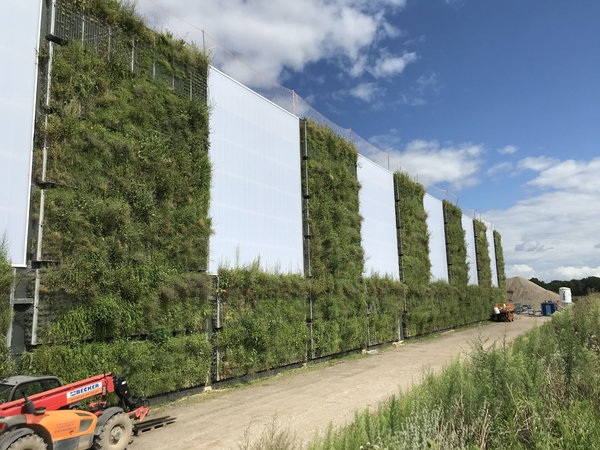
[495, 100]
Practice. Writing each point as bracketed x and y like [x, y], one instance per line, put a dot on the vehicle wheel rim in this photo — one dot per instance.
[115, 435]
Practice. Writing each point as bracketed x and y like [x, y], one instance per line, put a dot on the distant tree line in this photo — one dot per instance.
[584, 286]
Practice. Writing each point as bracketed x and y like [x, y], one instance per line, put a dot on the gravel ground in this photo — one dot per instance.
[306, 400]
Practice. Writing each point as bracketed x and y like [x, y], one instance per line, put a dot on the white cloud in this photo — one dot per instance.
[555, 232]
[431, 163]
[388, 65]
[508, 150]
[570, 272]
[274, 34]
[519, 270]
[365, 91]
[580, 176]
[537, 163]
[500, 168]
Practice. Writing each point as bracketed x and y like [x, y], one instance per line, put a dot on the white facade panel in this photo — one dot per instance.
[437, 238]
[19, 22]
[378, 229]
[467, 224]
[489, 233]
[256, 203]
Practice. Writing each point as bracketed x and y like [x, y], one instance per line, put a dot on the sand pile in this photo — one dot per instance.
[523, 291]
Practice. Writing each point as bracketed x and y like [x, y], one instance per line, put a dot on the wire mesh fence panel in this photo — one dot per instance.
[68, 21]
[154, 59]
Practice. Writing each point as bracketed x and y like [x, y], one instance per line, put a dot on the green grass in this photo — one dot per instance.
[157, 365]
[540, 392]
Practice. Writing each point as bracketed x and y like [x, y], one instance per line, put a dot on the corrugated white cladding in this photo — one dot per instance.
[437, 238]
[19, 22]
[256, 204]
[378, 229]
[467, 224]
[489, 233]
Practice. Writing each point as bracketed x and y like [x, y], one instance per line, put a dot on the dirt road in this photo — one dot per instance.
[307, 400]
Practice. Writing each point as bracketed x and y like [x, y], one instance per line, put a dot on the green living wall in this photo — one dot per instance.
[414, 235]
[484, 271]
[337, 258]
[126, 211]
[126, 237]
[439, 305]
[263, 320]
[500, 261]
[457, 249]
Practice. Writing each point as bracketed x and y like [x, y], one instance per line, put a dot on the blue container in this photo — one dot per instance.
[548, 308]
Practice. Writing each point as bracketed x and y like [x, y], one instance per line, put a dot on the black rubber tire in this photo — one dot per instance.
[29, 442]
[115, 434]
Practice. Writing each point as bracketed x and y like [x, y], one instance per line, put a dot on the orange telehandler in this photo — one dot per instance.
[39, 413]
[504, 312]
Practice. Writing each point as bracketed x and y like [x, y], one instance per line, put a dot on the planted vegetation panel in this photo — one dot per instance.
[263, 318]
[378, 228]
[339, 308]
[256, 205]
[437, 239]
[467, 224]
[500, 261]
[19, 21]
[127, 221]
[484, 272]
[456, 245]
[489, 233]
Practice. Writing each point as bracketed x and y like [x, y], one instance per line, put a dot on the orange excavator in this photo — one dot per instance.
[39, 413]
